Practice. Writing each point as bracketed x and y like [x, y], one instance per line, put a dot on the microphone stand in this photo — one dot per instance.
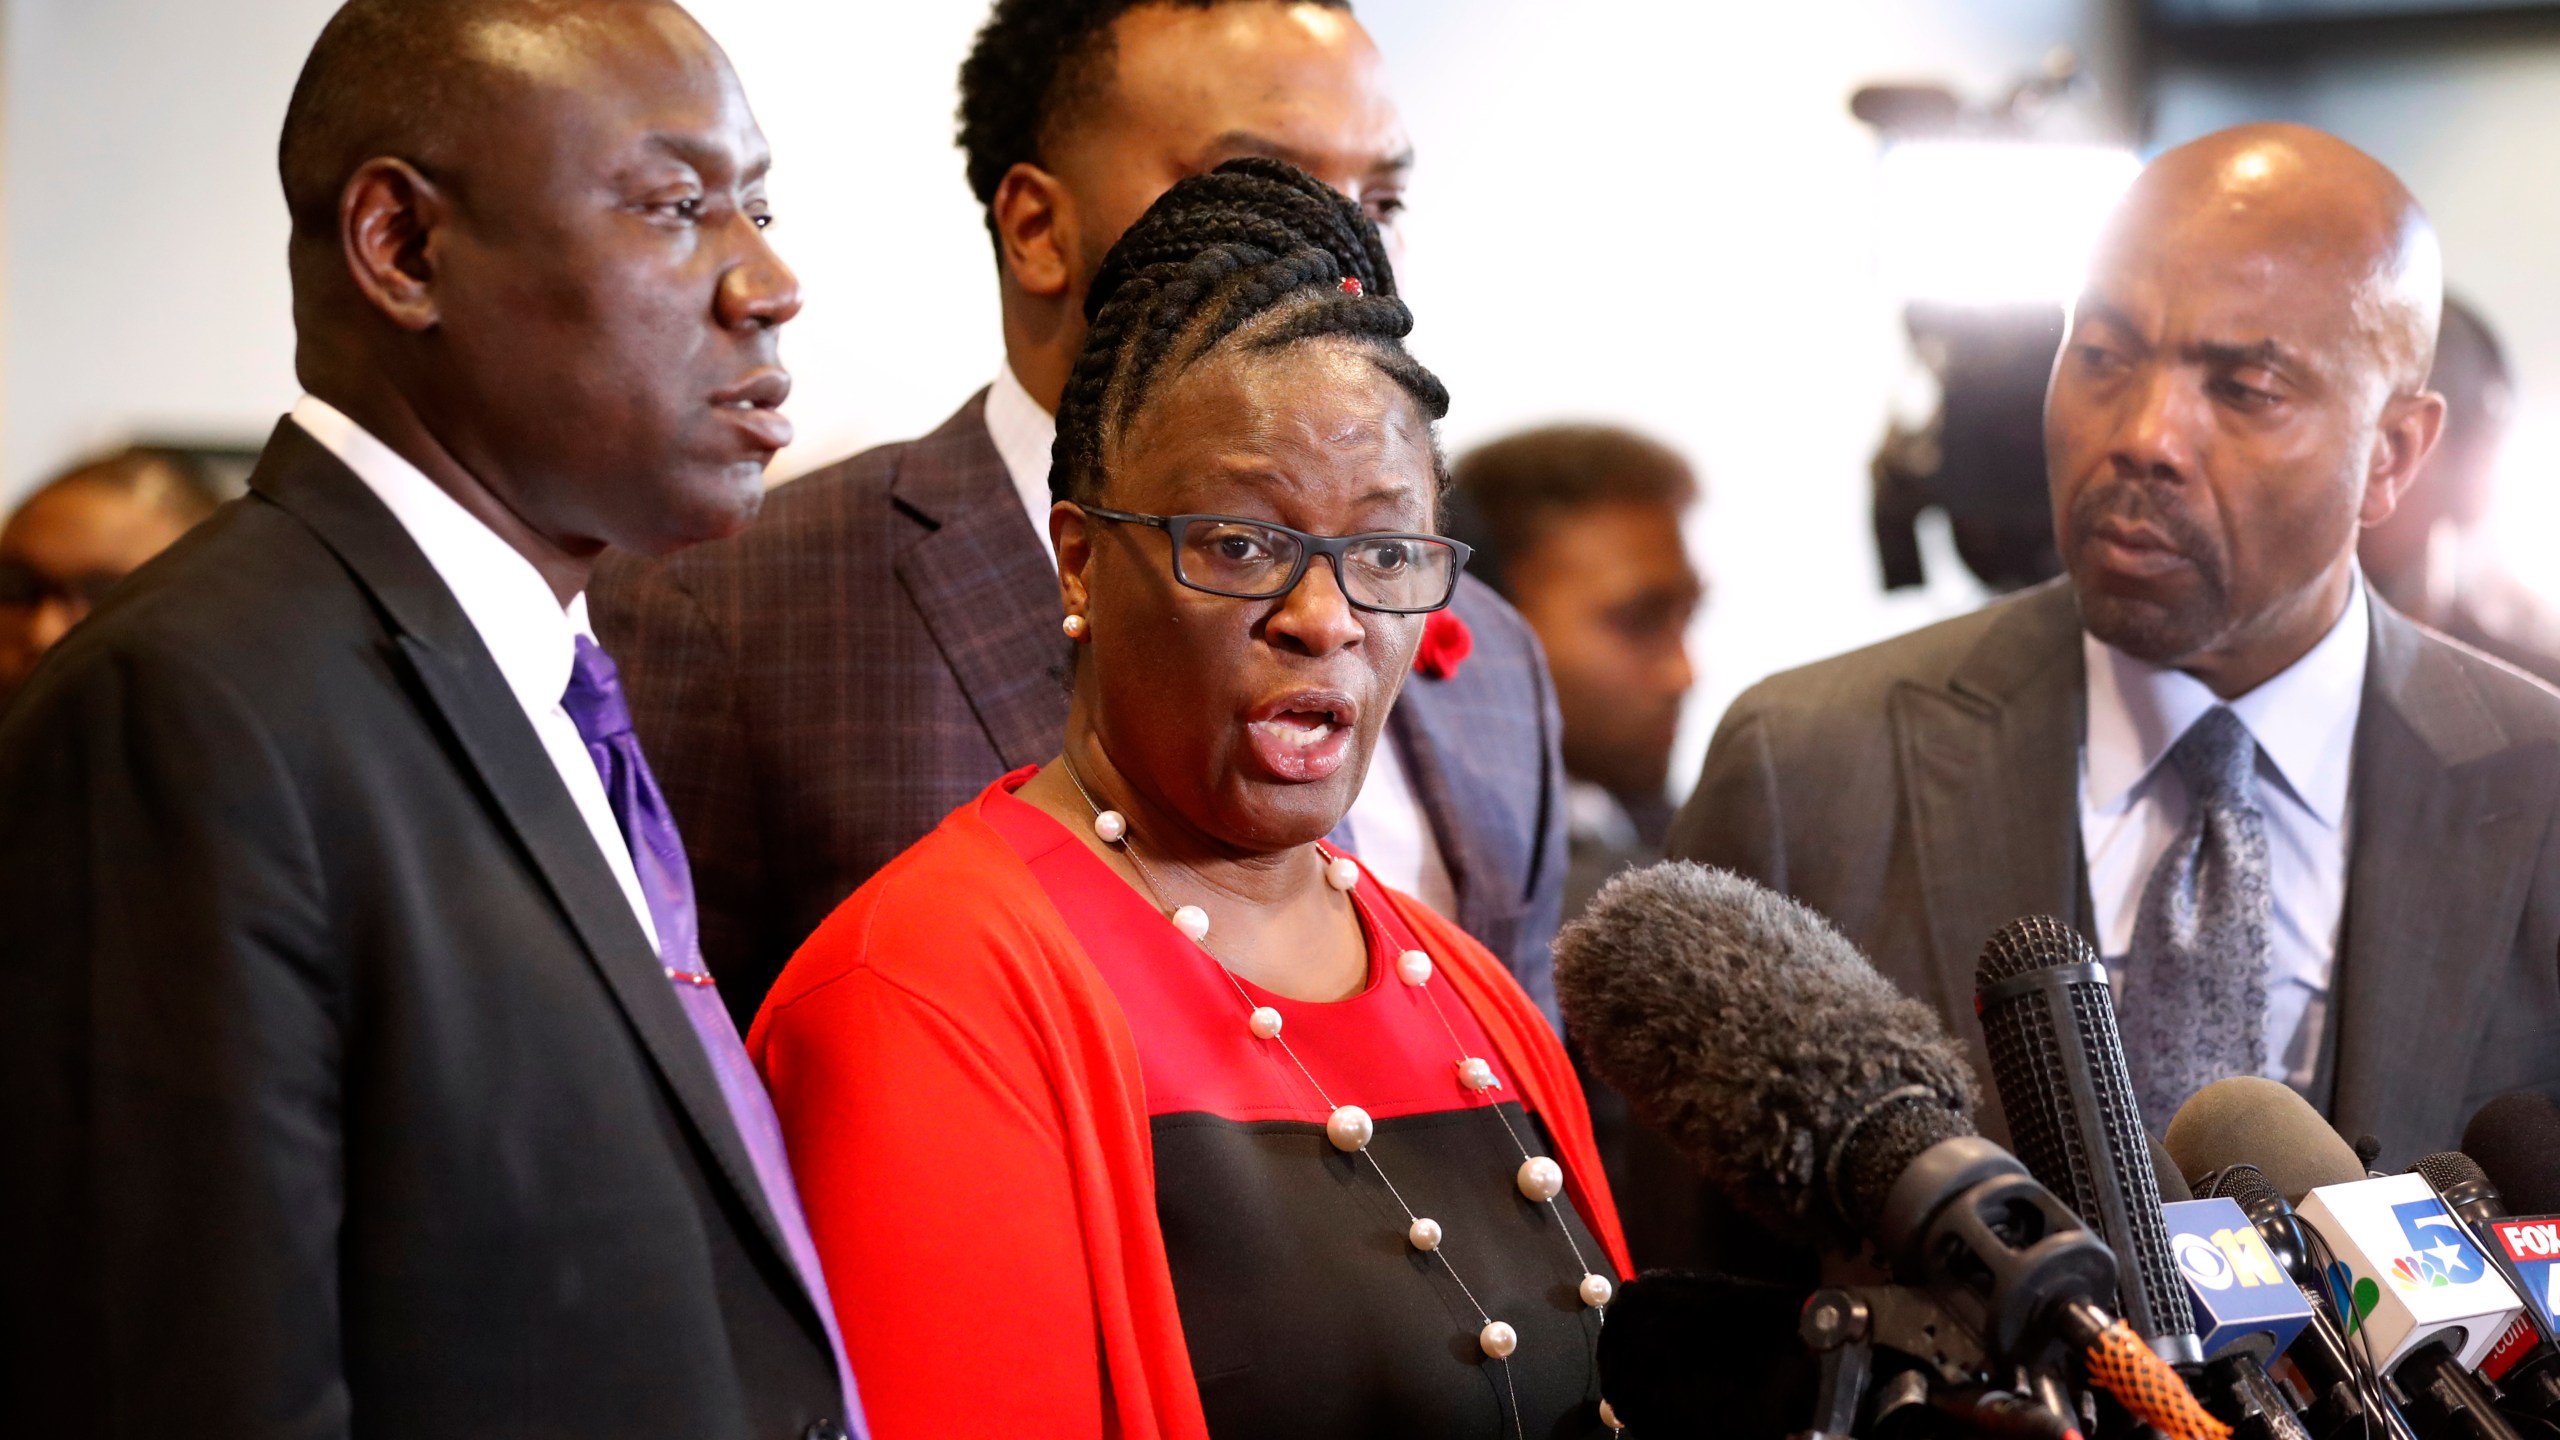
[1846, 1325]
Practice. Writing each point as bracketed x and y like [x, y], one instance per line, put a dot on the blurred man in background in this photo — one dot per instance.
[2433, 558]
[1579, 527]
[823, 690]
[78, 535]
[2306, 836]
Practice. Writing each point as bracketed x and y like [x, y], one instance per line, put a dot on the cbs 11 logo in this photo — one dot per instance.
[2230, 1257]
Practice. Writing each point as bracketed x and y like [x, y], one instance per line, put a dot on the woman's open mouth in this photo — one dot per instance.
[1304, 736]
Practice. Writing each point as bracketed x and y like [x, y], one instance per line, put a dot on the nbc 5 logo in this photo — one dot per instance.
[2442, 1254]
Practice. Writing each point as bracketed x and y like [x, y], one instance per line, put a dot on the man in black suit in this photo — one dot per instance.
[2311, 840]
[822, 690]
[360, 1075]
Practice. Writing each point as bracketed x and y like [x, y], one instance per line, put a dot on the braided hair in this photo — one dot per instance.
[1256, 253]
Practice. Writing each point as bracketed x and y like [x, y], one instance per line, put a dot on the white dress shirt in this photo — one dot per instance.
[2132, 806]
[526, 630]
[1387, 825]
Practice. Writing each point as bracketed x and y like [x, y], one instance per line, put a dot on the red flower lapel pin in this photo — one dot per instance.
[1446, 643]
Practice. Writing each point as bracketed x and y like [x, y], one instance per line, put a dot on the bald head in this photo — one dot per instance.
[2308, 210]
[529, 256]
[2243, 390]
[408, 79]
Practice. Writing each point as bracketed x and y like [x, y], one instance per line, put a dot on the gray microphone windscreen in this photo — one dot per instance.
[1749, 1031]
[2173, 1186]
[2251, 1120]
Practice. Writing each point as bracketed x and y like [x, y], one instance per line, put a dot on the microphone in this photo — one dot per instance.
[2407, 1278]
[2173, 1186]
[2246, 1312]
[1827, 1105]
[2244, 1302]
[2251, 1120]
[1755, 1037]
[2339, 1402]
[2412, 1273]
[2049, 1018]
[2213, 1138]
[2525, 1362]
[2531, 1247]
[2515, 1139]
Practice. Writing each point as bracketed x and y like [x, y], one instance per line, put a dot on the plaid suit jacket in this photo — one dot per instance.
[816, 693]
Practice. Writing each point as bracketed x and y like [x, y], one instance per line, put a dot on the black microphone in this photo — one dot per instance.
[1827, 1105]
[2515, 1140]
[2049, 1018]
[2526, 1364]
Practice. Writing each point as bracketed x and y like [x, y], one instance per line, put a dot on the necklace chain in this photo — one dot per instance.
[1155, 892]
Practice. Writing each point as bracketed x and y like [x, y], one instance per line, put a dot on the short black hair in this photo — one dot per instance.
[1502, 492]
[1037, 64]
[389, 77]
[1256, 253]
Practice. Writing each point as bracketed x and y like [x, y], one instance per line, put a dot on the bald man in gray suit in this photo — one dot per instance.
[2311, 839]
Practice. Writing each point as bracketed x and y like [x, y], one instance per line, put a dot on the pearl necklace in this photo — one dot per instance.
[1349, 1127]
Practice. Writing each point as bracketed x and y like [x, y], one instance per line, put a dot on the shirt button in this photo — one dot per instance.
[824, 1430]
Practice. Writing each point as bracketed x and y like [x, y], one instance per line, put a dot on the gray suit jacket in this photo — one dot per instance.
[818, 692]
[1924, 792]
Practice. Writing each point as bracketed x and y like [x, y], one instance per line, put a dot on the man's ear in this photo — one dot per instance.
[1035, 221]
[391, 221]
[1072, 534]
[2411, 425]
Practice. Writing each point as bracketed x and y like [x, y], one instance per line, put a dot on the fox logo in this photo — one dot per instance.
[2530, 1240]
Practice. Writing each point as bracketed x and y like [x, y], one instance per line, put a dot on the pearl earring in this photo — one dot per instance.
[1074, 626]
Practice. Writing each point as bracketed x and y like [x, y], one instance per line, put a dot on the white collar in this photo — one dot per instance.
[1025, 434]
[526, 629]
[2303, 719]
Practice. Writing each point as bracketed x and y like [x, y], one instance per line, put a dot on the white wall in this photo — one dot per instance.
[1657, 211]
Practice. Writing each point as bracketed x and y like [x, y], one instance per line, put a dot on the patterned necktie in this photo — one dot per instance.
[2195, 982]
[595, 705]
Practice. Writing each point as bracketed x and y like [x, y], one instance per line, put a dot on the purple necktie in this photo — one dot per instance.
[596, 707]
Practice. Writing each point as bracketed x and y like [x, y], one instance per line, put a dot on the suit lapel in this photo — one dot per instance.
[464, 690]
[1989, 767]
[2437, 875]
[1446, 794]
[984, 587]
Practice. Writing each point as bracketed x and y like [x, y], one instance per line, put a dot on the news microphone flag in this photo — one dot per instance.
[2405, 1270]
[2533, 1244]
[2239, 1292]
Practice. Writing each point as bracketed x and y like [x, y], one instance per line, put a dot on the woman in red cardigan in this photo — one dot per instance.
[1121, 1104]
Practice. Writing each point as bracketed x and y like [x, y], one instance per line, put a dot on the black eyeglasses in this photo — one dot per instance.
[1391, 572]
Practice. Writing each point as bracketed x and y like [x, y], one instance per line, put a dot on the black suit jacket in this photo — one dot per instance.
[342, 1091]
[820, 691]
[1924, 792]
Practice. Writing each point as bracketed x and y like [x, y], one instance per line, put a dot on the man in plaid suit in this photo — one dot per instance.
[819, 692]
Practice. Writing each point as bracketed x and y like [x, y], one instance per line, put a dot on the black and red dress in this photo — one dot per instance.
[1060, 1187]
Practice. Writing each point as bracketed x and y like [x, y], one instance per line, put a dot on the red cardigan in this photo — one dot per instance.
[961, 1097]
